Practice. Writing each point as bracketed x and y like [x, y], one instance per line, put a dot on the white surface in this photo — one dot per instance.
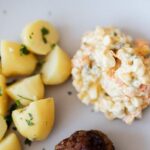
[73, 18]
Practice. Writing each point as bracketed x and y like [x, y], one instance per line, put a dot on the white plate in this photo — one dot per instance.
[72, 18]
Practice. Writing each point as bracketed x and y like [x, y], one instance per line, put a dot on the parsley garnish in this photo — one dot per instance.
[8, 118]
[27, 142]
[30, 120]
[44, 32]
[18, 103]
[1, 91]
[24, 50]
[25, 98]
[53, 45]
[30, 36]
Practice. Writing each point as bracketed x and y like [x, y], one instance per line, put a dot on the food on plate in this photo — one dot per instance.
[112, 72]
[32, 115]
[10, 142]
[27, 90]
[36, 120]
[16, 59]
[87, 140]
[3, 127]
[40, 36]
[4, 102]
[57, 67]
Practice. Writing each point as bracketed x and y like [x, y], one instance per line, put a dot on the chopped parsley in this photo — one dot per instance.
[1, 91]
[44, 32]
[8, 118]
[27, 142]
[31, 117]
[18, 103]
[30, 36]
[53, 45]
[25, 98]
[30, 120]
[24, 50]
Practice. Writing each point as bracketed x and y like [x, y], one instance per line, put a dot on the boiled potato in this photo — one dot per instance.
[27, 90]
[0, 67]
[10, 142]
[4, 102]
[3, 127]
[40, 36]
[36, 120]
[16, 59]
[57, 67]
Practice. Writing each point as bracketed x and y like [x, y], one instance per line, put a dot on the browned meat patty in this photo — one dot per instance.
[86, 140]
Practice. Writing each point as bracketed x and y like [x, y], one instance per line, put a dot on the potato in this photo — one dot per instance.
[3, 127]
[10, 142]
[0, 67]
[57, 67]
[36, 120]
[39, 36]
[16, 59]
[27, 90]
[4, 102]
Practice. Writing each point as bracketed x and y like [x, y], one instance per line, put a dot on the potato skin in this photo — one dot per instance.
[32, 37]
[4, 102]
[36, 120]
[57, 67]
[10, 142]
[27, 90]
[13, 63]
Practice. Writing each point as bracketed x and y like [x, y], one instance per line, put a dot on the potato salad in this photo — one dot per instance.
[111, 71]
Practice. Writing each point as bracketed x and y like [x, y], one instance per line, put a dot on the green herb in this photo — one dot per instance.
[53, 45]
[44, 32]
[18, 103]
[24, 50]
[27, 142]
[1, 91]
[30, 36]
[8, 118]
[30, 120]
[25, 98]
[30, 115]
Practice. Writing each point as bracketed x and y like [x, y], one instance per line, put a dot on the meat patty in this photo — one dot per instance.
[86, 140]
